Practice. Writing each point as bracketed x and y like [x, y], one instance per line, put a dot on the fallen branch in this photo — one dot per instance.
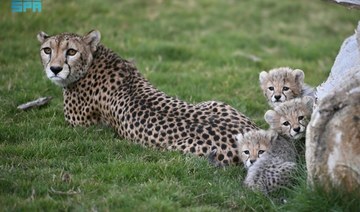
[348, 3]
[36, 103]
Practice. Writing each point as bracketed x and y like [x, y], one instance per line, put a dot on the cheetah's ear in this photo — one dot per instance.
[272, 136]
[299, 76]
[239, 138]
[309, 102]
[263, 76]
[271, 117]
[92, 39]
[42, 36]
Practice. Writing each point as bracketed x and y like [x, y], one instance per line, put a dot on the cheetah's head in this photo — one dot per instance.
[66, 57]
[281, 84]
[291, 118]
[253, 144]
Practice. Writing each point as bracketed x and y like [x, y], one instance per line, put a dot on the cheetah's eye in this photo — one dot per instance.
[47, 50]
[246, 152]
[71, 52]
[285, 88]
[300, 118]
[286, 123]
[271, 88]
[261, 152]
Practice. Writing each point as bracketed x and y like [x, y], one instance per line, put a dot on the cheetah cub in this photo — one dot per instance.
[283, 84]
[276, 165]
[291, 118]
[252, 146]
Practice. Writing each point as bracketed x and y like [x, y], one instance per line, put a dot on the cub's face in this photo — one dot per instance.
[66, 57]
[291, 118]
[253, 145]
[281, 84]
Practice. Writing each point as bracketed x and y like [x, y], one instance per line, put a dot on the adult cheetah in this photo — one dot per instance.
[101, 87]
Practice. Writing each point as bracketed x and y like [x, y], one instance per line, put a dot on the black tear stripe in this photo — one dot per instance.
[302, 125]
[48, 61]
[66, 62]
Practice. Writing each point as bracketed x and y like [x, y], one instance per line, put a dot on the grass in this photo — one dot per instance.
[195, 50]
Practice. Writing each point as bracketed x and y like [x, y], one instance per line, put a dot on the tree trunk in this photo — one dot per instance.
[333, 134]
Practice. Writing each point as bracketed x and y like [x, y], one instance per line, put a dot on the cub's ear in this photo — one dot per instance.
[299, 76]
[92, 39]
[263, 76]
[42, 36]
[309, 102]
[239, 138]
[271, 117]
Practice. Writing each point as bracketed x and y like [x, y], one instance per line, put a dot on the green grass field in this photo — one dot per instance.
[196, 50]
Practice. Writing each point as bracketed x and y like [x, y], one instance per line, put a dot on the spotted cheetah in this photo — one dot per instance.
[283, 84]
[276, 166]
[101, 87]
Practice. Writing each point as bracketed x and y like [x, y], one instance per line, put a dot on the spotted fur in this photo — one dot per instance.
[101, 87]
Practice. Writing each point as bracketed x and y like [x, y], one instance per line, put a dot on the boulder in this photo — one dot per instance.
[333, 134]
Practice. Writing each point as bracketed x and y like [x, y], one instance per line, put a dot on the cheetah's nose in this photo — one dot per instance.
[252, 161]
[277, 97]
[56, 69]
[297, 129]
